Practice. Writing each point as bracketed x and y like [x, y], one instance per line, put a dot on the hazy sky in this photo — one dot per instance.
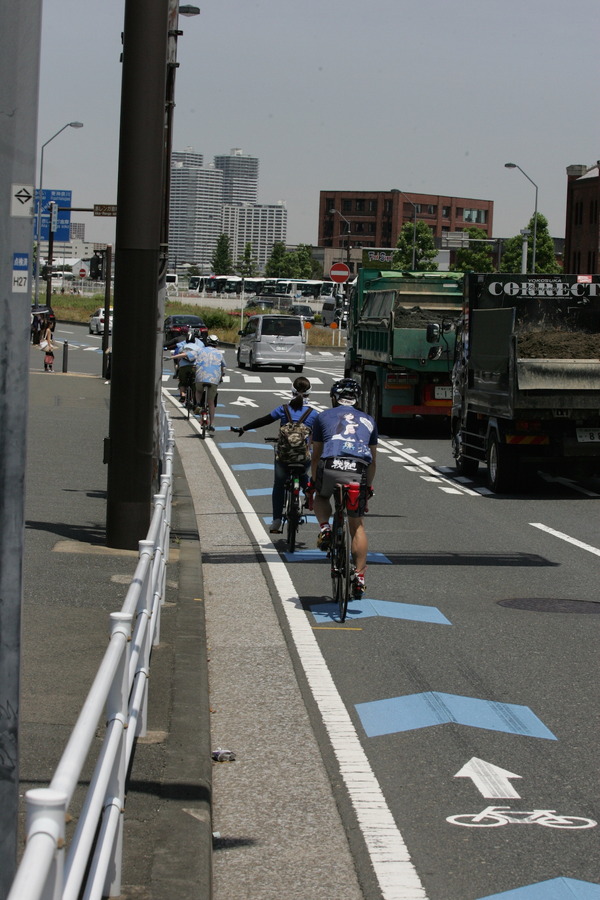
[420, 95]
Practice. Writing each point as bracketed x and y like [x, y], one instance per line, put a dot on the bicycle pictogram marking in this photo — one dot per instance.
[494, 816]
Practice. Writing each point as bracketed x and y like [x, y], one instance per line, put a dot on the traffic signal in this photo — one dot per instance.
[97, 268]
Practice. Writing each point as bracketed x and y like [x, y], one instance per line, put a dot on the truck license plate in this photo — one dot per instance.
[443, 393]
[588, 435]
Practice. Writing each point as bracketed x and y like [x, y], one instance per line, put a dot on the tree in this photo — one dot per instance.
[477, 257]
[221, 262]
[275, 262]
[425, 250]
[545, 259]
[246, 264]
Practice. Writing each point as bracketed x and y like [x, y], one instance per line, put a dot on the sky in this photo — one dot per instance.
[430, 96]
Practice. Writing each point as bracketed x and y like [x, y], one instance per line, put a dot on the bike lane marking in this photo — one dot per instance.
[395, 872]
[414, 711]
[555, 889]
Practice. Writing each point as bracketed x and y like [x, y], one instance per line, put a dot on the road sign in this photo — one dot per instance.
[21, 201]
[82, 273]
[105, 209]
[339, 272]
[62, 233]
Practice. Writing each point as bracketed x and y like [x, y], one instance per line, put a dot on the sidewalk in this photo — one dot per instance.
[277, 829]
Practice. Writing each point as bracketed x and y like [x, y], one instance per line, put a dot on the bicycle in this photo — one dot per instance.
[293, 506]
[340, 551]
[494, 816]
[204, 413]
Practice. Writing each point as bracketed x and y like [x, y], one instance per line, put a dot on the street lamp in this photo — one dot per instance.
[39, 206]
[414, 250]
[515, 166]
[331, 212]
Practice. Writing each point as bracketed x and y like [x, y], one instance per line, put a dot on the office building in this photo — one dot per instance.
[259, 224]
[195, 210]
[582, 226]
[375, 218]
[240, 176]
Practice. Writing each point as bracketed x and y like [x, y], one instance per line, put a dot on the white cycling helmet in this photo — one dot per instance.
[212, 340]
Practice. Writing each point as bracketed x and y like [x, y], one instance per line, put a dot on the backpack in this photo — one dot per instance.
[292, 446]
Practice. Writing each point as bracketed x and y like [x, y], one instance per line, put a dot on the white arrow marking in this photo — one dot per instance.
[243, 401]
[490, 780]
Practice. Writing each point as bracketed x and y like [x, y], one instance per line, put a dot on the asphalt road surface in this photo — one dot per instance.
[457, 706]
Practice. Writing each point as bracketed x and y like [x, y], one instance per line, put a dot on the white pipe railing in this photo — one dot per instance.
[48, 871]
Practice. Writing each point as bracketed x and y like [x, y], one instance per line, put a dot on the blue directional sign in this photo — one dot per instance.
[555, 889]
[62, 233]
[435, 708]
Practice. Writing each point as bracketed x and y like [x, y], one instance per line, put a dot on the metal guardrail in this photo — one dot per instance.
[91, 866]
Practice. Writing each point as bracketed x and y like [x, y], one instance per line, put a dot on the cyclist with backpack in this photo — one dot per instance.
[296, 422]
[344, 450]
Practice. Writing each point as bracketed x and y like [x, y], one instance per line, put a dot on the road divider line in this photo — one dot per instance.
[567, 538]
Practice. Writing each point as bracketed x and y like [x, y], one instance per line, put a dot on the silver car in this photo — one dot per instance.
[272, 341]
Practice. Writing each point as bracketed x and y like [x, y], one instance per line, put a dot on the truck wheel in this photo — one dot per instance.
[374, 410]
[464, 465]
[502, 467]
[241, 365]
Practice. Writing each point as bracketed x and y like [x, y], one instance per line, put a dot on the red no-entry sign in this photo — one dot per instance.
[82, 273]
[339, 272]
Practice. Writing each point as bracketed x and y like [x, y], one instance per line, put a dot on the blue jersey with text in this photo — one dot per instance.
[346, 431]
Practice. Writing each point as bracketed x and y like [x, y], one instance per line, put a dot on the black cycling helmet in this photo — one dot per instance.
[345, 392]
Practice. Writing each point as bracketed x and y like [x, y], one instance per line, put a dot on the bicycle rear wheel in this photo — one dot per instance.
[341, 565]
[292, 515]
[203, 415]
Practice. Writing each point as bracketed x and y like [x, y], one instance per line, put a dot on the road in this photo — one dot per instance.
[466, 679]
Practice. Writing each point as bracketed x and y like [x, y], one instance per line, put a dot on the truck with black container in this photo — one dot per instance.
[400, 341]
[526, 377]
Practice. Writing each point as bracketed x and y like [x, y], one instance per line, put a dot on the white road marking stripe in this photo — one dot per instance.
[396, 874]
[415, 465]
[567, 538]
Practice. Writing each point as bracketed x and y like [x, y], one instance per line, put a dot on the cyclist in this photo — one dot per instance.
[297, 408]
[184, 355]
[210, 367]
[344, 450]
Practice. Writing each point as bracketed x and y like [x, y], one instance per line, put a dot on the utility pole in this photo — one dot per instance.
[132, 472]
[20, 38]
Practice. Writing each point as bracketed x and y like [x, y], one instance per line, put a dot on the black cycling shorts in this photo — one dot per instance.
[342, 470]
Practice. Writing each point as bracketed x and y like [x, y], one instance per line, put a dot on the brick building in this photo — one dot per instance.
[582, 226]
[375, 218]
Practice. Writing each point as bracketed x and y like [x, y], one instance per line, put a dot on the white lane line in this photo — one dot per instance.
[396, 874]
[415, 465]
[567, 538]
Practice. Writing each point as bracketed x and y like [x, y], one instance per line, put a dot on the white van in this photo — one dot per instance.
[272, 341]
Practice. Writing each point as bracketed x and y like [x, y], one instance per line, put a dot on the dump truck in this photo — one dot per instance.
[526, 377]
[400, 341]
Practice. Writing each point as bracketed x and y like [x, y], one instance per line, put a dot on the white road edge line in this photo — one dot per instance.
[567, 538]
[396, 874]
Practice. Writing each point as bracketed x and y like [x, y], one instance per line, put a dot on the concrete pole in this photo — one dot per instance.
[20, 37]
[132, 466]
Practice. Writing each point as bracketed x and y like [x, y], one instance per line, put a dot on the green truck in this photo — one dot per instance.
[400, 341]
[526, 378]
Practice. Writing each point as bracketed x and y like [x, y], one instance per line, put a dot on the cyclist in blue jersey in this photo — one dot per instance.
[297, 408]
[344, 450]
